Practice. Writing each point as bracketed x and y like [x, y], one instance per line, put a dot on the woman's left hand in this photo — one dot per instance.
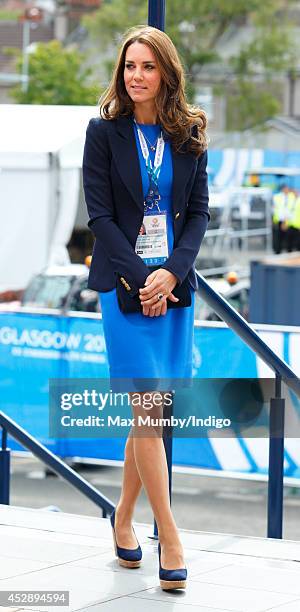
[159, 281]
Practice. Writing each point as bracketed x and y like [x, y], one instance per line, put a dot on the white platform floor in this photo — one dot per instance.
[43, 550]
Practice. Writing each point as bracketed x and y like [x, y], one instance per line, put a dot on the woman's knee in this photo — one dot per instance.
[128, 451]
[147, 411]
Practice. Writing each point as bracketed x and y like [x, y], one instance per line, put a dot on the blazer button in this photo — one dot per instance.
[177, 215]
[122, 279]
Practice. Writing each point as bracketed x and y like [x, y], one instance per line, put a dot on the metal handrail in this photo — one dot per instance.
[47, 457]
[236, 322]
[277, 404]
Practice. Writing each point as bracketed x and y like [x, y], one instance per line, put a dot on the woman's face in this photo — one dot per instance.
[141, 73]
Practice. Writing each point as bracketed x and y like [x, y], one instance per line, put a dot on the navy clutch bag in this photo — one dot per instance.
[129, 304]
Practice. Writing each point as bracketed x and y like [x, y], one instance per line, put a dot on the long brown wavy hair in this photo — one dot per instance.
[184, 123]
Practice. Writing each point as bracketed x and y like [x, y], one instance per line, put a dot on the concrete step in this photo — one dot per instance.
[48, 551]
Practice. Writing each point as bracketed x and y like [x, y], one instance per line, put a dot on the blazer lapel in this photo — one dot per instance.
[126, 156]
[127, 159]
[182, 168]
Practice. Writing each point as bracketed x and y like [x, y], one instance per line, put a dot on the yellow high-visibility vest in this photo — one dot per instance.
[295, 216]
[283, 206]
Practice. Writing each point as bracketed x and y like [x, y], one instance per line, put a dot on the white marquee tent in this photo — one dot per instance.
[41, 151]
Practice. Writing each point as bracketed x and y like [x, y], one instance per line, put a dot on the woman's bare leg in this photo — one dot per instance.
[151, 463]
[131, 488]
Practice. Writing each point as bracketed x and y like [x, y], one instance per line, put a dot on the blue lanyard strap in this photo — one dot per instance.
[153, 170]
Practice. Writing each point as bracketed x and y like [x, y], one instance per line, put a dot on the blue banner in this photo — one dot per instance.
[227, 167]
[35, 348]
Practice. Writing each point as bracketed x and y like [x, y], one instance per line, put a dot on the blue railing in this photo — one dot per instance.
[277, 404]
[236, 322]
[47, 457]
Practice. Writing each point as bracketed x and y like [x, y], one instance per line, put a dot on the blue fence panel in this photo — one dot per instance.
[227, 166]
[34, 348]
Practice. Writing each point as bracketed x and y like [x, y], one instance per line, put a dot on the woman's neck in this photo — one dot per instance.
[145, 114]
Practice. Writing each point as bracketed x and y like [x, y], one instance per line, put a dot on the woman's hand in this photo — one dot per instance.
[159, 281]
[161, 309]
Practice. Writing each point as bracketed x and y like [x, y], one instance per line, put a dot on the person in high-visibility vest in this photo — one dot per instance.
[283, 206]
[293, 232]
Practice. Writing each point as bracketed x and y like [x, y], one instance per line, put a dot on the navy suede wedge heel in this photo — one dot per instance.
[171, 579]
[127, 557]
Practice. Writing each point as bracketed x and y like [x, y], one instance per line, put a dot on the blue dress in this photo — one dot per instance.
[150, 347]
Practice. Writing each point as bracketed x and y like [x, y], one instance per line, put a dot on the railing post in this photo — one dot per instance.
[156, 18]
[168, 445]
[156, 13]
[276, 456]
[4, 469]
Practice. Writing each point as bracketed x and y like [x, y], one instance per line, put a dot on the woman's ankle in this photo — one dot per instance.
[169, 538]
[124, 515]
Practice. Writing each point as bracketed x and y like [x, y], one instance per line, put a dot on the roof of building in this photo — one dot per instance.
[288, 125]
[11, 35]
[279, 133]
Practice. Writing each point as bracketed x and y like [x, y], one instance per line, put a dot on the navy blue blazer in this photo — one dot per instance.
[114, 196]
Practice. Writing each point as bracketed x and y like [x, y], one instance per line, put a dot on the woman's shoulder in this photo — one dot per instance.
[98, 124]
[98, 130]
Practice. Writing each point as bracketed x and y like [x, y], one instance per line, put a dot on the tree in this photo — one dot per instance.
[198, 28]
[56, 76]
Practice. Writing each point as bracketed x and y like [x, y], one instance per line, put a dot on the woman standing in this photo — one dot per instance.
[145, 181]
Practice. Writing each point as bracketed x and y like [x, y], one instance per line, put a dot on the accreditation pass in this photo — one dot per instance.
[152, 241]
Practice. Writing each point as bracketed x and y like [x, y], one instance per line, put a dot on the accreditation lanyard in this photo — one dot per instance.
[153, 169]
[152, 241]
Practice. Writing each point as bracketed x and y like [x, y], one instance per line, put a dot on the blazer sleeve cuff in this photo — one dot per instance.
[172, 269]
